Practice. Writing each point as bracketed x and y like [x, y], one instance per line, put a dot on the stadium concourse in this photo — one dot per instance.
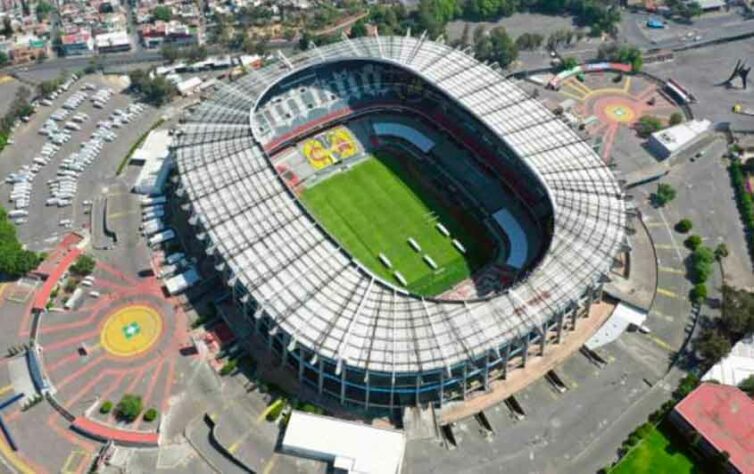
[249, 154]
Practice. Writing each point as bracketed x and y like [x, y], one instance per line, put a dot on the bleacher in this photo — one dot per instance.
[275, 256]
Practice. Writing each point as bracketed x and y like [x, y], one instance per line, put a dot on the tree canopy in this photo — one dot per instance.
[495, 46]
[15, 261]
[162, 13]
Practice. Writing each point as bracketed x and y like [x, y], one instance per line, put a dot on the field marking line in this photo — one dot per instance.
[674, 271]
[72, 456]
[576, 84]
[668, 293]
[627, 84]
[118, 215]
[661, 343]
[14, 460]
[670, 233]
[665, 247]
[270, 464]
[572, 96]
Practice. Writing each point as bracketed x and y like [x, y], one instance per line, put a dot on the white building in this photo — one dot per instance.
[672, 140]
[113, 42]
[736, 366]
[351, 447]
[154, 156]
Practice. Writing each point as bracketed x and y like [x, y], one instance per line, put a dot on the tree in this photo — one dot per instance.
[569, 63]
[359, 29]
[737, 318]
[648, 125]
[106, 407]
[83, 266]
[712, 345]
[630, 55]
[698, 293]
[747, 385]
[7, 27]
[664, 194]
[701, 261]
[721, 251]
[693, 242]
[150, 415]
[43, 10]
[529, 41]
[162, 13]
[155, 90]
[169, 53]
[495, 46]
[684, 225]
[675, 118]
[15, 261]
[129, 407]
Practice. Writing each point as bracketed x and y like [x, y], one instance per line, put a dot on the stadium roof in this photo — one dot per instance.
[724, 416]
[327, 301]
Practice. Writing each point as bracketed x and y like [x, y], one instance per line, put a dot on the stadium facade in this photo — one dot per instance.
[343, 331]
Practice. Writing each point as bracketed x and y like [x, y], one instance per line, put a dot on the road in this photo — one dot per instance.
[80, 62]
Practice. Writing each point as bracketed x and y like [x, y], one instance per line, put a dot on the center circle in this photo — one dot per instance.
[620, 113]
[131, 330]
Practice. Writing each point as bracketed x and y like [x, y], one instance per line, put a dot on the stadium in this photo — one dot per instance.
[398, 223]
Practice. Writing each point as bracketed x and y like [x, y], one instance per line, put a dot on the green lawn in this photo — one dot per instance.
[373, 209]
[655, 454]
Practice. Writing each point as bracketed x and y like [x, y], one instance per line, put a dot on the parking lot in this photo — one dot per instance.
[66, 162]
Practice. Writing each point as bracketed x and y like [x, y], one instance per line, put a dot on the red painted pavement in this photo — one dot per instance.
[106, 433]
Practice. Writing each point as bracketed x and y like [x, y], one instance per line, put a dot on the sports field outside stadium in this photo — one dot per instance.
[377, 205]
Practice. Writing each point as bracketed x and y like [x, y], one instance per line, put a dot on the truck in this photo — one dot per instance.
[161, 237]
[153, 200]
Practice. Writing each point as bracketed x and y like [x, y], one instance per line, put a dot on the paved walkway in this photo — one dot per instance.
[535, 369]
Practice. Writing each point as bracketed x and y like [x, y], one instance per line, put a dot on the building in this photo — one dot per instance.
[723, 417]
[675, 139]
[77, 43]
[342, 330]
[349, 446]
[26, 48]
[115, 42]
[711, 5]
[154, 157]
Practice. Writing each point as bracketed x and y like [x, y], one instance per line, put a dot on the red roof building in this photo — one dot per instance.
[724, 417]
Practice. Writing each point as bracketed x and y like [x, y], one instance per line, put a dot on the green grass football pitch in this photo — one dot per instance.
[371, 209]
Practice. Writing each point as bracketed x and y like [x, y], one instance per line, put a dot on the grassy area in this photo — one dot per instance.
[655, 454]
[375, 208]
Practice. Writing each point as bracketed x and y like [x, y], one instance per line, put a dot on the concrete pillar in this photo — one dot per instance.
[561, 320]
[343, 384]
[543, 340]
[506, 357]
[416, 389]
[464, 381]
[284, 353]
[574, 316]
[320, 377]
[367, 391]
[301, 364]
[442, 387]
[486, 371]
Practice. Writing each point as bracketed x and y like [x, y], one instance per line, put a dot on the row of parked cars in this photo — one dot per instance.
[23, 179]
[64, 186]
